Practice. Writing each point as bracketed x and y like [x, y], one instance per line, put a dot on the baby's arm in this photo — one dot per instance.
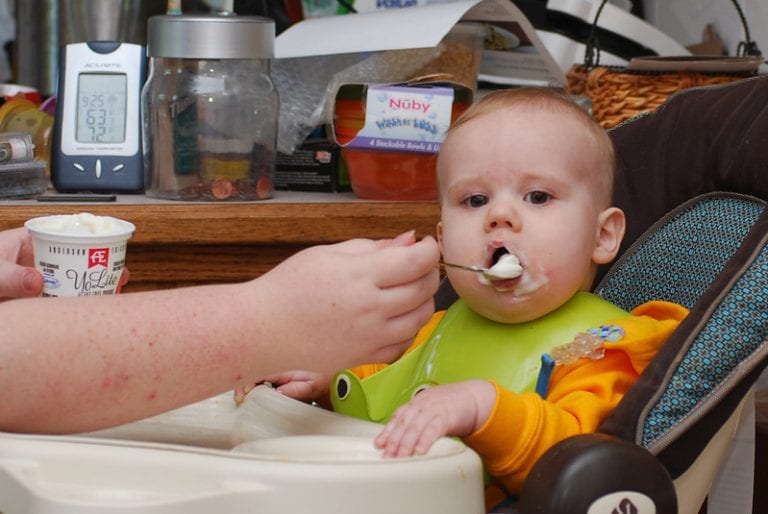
[456, 409]
[306, 386]
[302, 384]
[524, 426]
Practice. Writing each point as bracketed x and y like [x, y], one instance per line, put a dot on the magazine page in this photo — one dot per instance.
[513, 54]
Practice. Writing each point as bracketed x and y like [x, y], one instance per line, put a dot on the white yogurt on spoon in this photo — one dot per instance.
[506, 268]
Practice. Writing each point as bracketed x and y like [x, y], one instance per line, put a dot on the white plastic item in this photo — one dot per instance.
[567, 52]
[286, 472]
[616, 20]
[79, 254]
[686, 20]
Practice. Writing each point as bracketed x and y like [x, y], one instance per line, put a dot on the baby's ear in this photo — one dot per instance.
[610, 231]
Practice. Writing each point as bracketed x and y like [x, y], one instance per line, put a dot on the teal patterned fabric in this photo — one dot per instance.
[684, 255]
[735, 330]
[678, 262]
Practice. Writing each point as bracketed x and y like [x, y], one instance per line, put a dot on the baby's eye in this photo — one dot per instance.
[476, 200]
[537, 197]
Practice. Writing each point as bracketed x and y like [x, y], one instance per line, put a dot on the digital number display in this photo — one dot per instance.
[101, 107]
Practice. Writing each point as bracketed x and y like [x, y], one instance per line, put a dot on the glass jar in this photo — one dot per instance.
[210, 108]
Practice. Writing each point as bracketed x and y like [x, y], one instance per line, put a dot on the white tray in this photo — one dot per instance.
[213, 457]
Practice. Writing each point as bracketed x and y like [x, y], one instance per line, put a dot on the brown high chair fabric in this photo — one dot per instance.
[701, 140]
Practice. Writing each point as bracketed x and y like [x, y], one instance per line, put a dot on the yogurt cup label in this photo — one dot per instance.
[79, 255]
[405, 119]
[98, 257]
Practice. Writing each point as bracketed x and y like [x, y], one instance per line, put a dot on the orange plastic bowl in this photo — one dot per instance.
[384, 174]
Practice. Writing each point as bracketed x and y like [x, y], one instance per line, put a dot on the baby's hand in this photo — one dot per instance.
[452, 409]
[303, 385]
[306, 386]
[242, 391]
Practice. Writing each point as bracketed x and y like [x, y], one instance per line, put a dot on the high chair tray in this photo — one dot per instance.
[286, 471]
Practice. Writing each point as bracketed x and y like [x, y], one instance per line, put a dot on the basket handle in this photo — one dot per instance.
[592, 50]
[746, 47]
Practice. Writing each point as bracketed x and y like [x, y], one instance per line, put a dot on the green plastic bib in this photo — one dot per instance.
[467, 346]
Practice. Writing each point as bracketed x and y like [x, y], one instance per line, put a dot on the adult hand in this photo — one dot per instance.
[18, 277]
[325, 308]
[354, 302]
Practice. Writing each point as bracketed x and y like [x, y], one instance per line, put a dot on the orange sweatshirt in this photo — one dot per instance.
[523, 426]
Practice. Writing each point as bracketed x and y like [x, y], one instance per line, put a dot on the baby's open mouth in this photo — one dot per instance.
[504, 266]
[497, 255]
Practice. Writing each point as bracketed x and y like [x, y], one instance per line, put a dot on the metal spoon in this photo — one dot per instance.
[476, 269]
[488, 273]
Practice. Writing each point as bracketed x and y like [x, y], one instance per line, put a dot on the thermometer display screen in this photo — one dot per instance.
[101, 107]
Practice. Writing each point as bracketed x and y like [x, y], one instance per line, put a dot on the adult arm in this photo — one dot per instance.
[79, 364]
[311, 386]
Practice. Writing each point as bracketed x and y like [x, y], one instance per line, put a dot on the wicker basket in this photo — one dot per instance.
[618, 94]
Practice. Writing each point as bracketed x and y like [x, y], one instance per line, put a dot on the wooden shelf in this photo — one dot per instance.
[187, 243]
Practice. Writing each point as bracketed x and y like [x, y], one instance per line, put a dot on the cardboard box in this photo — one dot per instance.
[316, 166]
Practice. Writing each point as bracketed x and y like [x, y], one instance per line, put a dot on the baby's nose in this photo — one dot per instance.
[503, 216]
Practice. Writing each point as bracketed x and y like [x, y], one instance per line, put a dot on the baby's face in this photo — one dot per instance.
[518, 182]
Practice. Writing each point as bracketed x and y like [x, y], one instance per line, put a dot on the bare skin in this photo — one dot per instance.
[456, 409]
[80, 364]
[18, 279]
[527, 197]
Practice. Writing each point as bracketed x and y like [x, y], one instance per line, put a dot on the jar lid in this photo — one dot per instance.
[211, 37]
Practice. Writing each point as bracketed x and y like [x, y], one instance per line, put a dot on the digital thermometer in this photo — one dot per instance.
[97, 129]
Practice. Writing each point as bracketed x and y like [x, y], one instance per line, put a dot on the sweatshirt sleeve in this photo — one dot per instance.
[523, 426]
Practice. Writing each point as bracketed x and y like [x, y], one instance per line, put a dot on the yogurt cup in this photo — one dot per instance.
[79, 254]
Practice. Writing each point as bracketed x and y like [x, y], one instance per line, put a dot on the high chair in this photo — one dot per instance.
[676, 427]
[661, 448]
[667, 438]
[278, 455]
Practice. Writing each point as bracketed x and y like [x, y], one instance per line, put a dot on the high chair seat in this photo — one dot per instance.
[709, 255]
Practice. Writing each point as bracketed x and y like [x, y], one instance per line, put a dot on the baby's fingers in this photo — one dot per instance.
[302, 391]
[410, 432]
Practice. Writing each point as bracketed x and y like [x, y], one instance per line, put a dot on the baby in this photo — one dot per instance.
[525, 180]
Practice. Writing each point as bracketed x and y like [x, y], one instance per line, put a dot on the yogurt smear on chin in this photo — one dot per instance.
[506, 268]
